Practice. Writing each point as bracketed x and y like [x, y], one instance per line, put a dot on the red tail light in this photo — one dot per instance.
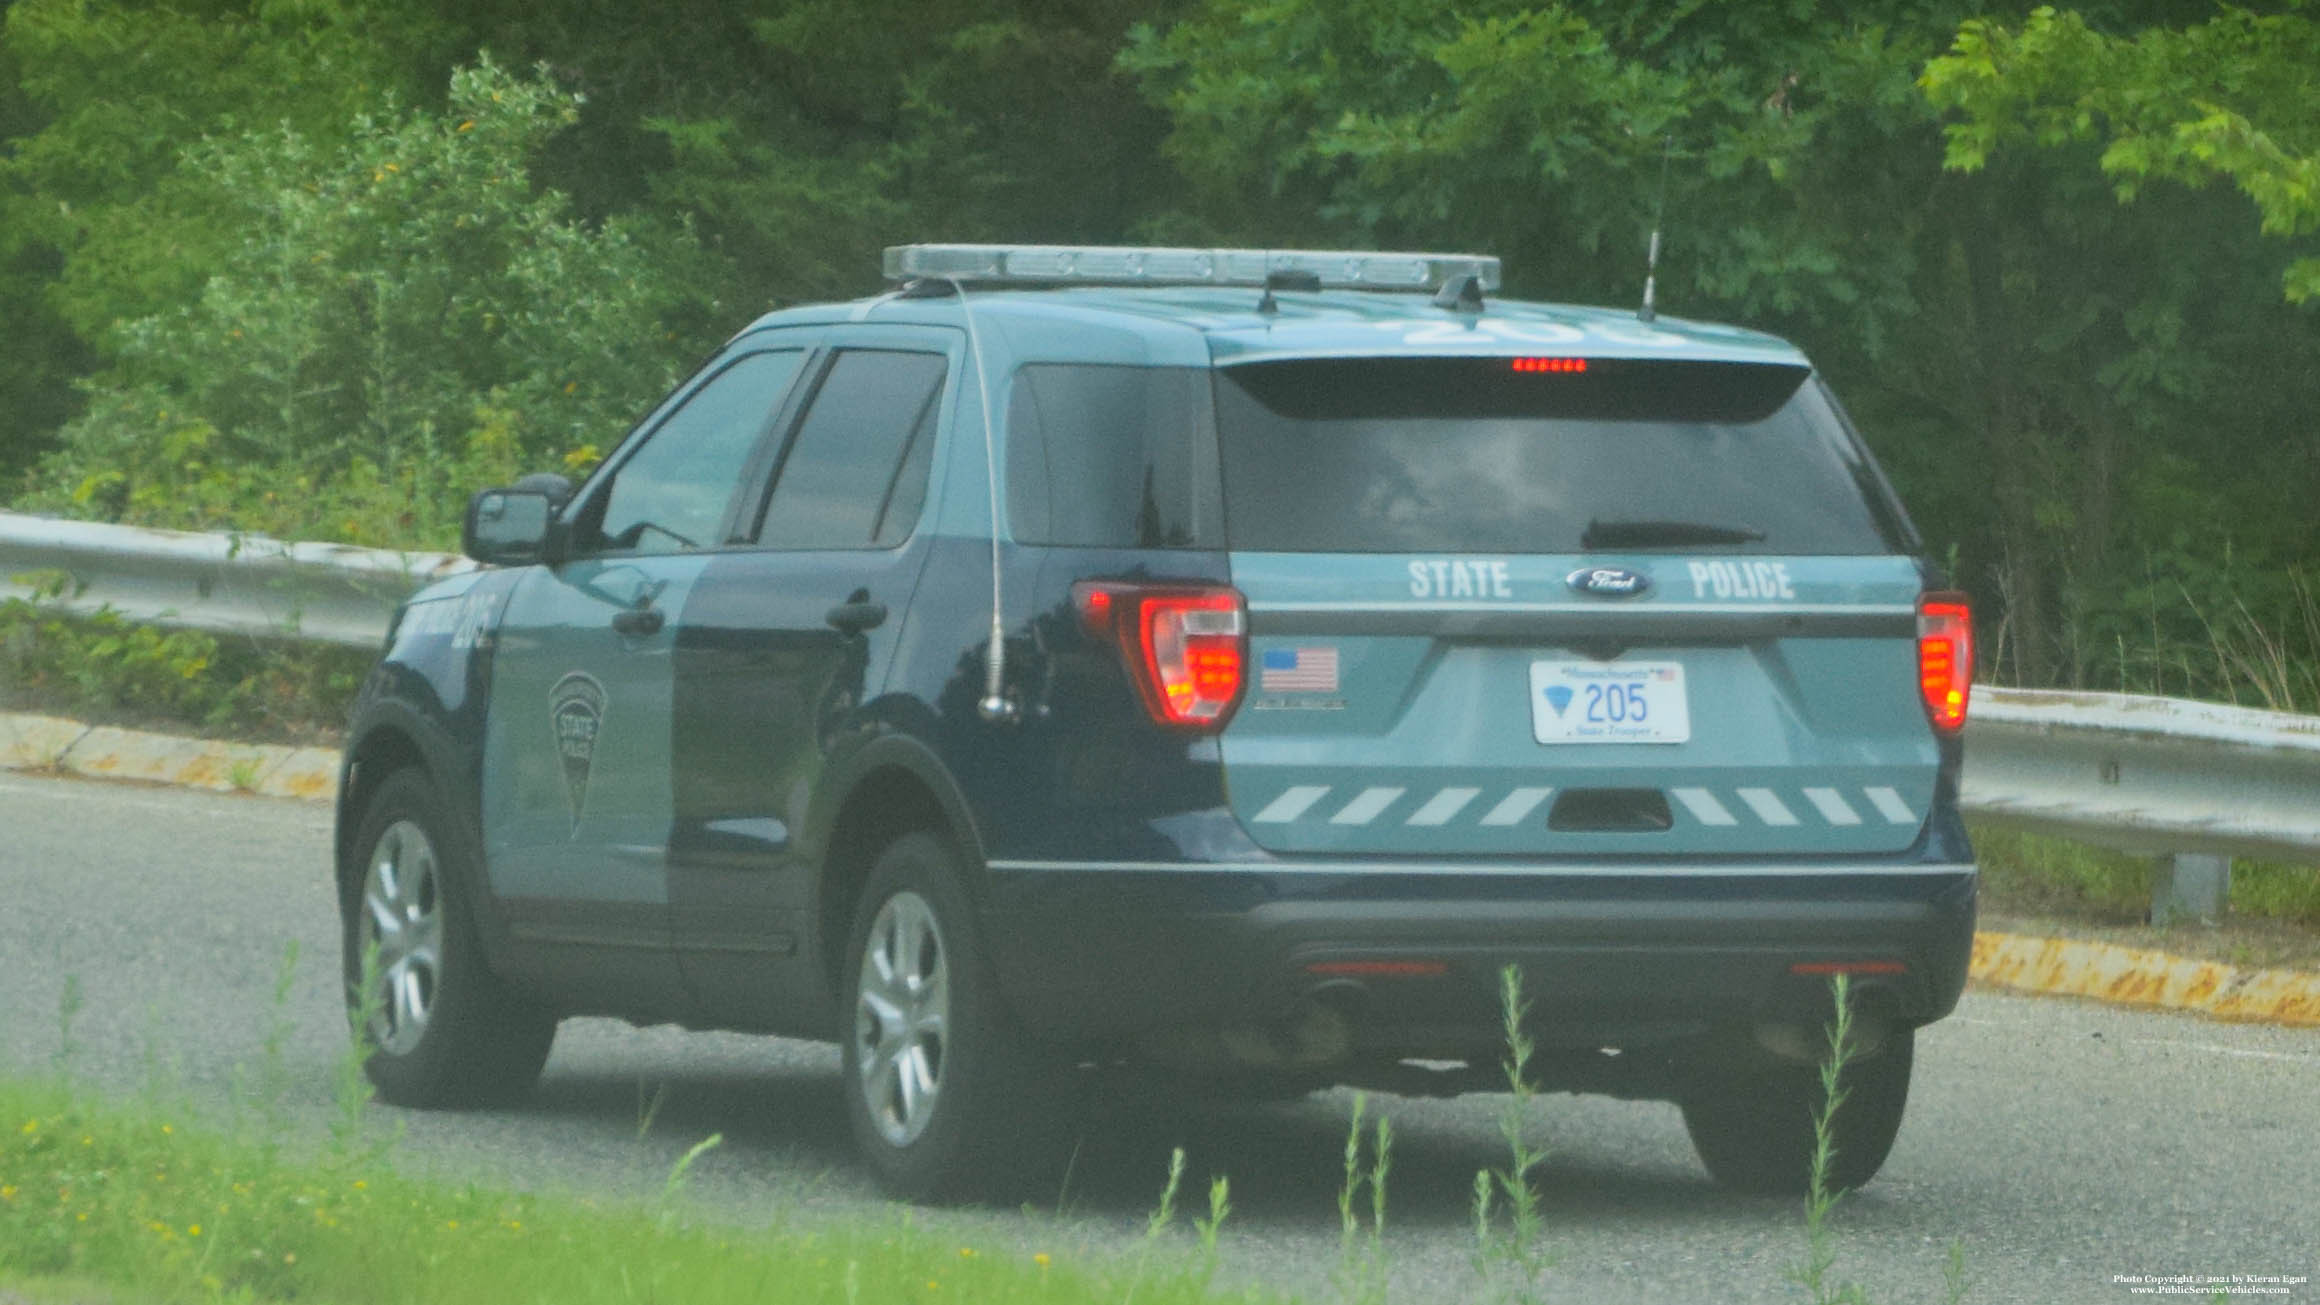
[1186, 647]
[1945, 658]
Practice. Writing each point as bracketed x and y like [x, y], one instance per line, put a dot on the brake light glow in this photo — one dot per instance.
[1945, 658]
[1550, 364]
[1186, 647]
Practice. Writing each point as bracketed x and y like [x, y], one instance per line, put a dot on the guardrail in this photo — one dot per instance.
[243, 584]
[2195, 783]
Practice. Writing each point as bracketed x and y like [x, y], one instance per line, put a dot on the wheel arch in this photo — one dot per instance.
[391, 740]
[892, 786]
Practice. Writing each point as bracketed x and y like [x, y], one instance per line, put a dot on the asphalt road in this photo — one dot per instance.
[2061, 1143]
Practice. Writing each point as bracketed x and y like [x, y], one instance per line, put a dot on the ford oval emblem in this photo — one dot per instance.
[1608, 581]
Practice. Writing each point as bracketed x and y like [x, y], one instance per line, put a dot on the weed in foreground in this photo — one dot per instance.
[648, 1109]
[1510, 1259]
[68, 1009]
[1362, 1265]
[354, 1091]
[1219, 1205]
[681, 1172]
[1820, 1250]
[273, 1070]
[1820, 1254]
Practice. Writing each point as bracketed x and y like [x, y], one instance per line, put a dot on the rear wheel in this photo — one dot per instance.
[1753, 1127]
[440, 1027]
[946, 1098]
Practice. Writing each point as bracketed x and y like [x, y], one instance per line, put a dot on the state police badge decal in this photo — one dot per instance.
[576, 714]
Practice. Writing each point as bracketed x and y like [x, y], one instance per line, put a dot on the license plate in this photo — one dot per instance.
[1609, 702]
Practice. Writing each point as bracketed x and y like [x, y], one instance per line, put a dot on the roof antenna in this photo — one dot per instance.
[1651, 261]
[994, 706]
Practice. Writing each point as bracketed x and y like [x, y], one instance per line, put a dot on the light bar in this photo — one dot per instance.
[1337, 269]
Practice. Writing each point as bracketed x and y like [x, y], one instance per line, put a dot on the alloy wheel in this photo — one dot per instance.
[402, 919]
[902, 1018]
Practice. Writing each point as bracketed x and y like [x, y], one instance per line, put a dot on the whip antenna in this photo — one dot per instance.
[994, 705]
[1651, 259]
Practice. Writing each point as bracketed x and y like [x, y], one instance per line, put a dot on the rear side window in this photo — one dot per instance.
[1419, 455]
[855, 475]
[1112, 457]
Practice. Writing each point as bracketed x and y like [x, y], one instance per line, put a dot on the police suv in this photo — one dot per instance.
[1224, 662]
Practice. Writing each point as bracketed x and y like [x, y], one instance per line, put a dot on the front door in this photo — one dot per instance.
[576, 776]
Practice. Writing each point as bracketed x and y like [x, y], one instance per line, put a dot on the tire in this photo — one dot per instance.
[947, 1100]
[440, 1028]
[1753, 1128]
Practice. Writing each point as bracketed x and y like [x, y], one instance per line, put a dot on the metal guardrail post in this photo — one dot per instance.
[2191, 886]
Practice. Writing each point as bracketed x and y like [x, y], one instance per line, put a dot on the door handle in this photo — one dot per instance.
[857, 616]
[638, 622]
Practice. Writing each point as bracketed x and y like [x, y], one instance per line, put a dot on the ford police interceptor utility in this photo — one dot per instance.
[1223, 662]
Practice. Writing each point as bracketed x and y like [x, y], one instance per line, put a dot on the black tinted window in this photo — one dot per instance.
[856, 473]
[1112, 457]
[1402, 455]
[672, 493]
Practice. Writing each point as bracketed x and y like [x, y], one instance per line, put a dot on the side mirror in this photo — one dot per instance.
[510, 527]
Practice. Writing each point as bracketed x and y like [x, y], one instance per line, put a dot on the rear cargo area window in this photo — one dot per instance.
[1112, 457]
[1415, 455]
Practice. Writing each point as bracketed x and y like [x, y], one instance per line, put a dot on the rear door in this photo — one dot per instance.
[783, 644]
[1607, 608]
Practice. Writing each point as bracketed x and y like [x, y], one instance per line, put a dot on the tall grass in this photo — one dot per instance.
[127, 1197]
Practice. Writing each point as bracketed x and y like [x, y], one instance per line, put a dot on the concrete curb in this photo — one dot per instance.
[2128, 976]
[2102, 971]
[69, 747]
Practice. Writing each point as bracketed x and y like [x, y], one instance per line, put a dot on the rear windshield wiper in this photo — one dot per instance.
[1663, 534]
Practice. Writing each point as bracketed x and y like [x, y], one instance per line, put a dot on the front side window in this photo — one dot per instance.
[855, 474]
[672, 493]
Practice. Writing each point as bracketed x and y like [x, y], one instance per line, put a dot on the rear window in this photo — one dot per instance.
[1422, 455]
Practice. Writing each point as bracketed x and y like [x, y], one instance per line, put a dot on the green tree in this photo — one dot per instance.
[397, 311]
[99, 223]
[798, 135]
[2236, 98]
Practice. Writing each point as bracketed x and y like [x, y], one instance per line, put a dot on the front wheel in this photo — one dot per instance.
[440, 1028]
[946, 1099]
[1753, 1127]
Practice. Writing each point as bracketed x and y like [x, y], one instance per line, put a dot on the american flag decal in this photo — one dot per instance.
[1297, 670]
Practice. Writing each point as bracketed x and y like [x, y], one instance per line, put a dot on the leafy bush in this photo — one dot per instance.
[404, 317]
[106, 667]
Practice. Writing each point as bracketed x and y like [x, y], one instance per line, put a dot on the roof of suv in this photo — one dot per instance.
[1222, 324]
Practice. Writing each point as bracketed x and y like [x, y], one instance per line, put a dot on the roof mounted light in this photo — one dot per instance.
[1338, 269]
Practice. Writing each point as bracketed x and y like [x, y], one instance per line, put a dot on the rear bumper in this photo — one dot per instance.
[1107, 953]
